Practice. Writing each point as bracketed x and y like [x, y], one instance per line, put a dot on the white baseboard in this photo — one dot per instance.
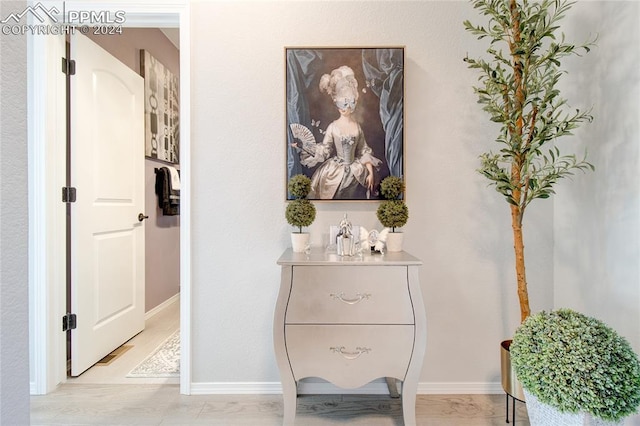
[236, 388]
[320, 387]
[460, 388]
[173, 299]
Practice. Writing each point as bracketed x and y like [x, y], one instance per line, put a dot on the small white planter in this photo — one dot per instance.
[300, 241]
[394, 241]
[541, 414]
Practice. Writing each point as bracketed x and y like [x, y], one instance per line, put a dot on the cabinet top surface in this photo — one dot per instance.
[318, 256]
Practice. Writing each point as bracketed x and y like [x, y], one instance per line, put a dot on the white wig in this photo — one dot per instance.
[341, 82]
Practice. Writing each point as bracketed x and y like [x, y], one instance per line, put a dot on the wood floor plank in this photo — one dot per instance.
[106, 397]
[112, 404]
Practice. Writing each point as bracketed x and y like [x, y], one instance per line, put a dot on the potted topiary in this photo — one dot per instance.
[393, 212]
[300, 212]
[519, 89]
[571, 365]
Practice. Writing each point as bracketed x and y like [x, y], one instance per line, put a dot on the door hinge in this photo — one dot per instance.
[68, 194]
[68, 66]
[69, 322]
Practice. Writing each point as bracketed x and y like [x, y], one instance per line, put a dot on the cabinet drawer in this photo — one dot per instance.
[349, 295]
[349, 356]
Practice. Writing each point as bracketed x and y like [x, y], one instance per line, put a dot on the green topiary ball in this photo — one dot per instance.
[300, 213]
[576, 363]
[299, 186]
[391, 187]
[393, 214]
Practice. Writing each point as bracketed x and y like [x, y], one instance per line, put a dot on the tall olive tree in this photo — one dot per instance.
[518, 88]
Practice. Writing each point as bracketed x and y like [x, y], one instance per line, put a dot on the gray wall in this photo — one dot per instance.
[162, 233]
[597, 217]
[458, 226]
[14, 294]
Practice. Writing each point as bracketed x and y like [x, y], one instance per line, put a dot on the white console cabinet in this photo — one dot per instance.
[350, 320]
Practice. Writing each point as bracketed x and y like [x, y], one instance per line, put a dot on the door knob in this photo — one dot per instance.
[142, 217]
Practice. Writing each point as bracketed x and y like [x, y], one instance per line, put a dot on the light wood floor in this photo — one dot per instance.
[157, 329]
[103, 395]
[163, 405]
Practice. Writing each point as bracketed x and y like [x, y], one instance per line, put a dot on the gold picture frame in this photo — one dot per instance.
[344, 119]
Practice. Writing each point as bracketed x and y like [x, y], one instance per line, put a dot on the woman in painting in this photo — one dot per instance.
[346, 161]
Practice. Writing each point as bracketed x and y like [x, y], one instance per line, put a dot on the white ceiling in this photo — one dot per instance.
[173, 34]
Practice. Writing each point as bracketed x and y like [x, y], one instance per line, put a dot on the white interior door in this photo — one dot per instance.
[107, 169]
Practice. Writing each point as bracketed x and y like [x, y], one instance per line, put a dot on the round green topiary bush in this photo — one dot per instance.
[299, 186]
[576, 363]
[300, 212]
[391, 187]
[393, 214]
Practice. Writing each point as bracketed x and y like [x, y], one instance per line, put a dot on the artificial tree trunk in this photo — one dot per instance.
[517, 208]
[518, 246]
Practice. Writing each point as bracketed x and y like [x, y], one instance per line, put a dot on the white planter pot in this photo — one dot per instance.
[300, 241]
[394, 241]
[541, 414]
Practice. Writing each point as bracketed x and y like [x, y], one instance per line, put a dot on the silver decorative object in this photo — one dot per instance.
[345, 241]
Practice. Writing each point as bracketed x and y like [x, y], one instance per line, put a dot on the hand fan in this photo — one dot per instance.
[302, 133]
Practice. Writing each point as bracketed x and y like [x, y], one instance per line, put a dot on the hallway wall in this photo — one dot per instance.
[14, 231]
[458, 226]
[597, 216]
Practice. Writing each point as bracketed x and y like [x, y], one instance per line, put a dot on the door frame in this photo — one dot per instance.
[47, 218]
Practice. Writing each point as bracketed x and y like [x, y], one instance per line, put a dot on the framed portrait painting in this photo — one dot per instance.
[161, 110]
[344, 119]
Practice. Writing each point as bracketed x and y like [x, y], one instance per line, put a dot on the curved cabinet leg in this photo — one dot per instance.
[410, 385]
[393, 387]
[290, 397]
[289, 386]
[409, 402]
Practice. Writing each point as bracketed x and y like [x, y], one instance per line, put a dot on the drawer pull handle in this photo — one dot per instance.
[359, 298]
[350, 355]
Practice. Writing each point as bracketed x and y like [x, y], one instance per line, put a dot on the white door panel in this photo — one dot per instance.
[107, 168]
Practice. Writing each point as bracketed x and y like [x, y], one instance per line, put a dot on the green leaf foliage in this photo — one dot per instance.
[518, 88]
[300, 212]
[392, 187]
[299, 186]
[576, 363]
[393, 214]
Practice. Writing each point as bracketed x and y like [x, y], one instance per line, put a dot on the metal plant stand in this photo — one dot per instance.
[513, 406]
[510, 384]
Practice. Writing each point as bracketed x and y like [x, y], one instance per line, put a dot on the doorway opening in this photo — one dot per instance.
[47, 275]
[135, 314]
